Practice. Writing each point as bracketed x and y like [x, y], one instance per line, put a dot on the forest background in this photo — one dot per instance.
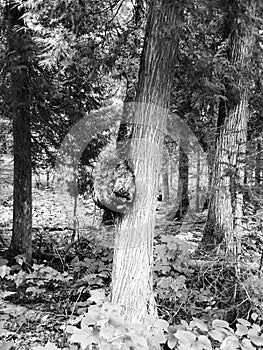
[131, 152]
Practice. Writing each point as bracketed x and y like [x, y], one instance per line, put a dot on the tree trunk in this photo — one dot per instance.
[225, 208]
[258, 164]
[197, 185]
[19, 41]
[48, 178]
[171, 174]
[75, 232]
[165, 178]
[133, 252]
[182, 192]
[258, 168]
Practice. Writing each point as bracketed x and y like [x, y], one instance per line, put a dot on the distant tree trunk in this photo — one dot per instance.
[225, 208]
[19, 40]
[133, 252]
[171, 174]
[75, 218]
[197, 186]
[258, 164]
[258, 169]
[48, 178]
[210, 163]
[182, 192]
[165, 178]
[246, 193]
[249, 205]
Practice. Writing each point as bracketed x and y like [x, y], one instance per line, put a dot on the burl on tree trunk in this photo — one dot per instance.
[132, 285]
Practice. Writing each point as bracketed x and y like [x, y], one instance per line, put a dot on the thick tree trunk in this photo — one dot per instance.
[22, 208]
[133, 253]
[225, 208]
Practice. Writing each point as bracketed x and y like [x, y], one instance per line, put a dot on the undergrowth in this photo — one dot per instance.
[203, 301]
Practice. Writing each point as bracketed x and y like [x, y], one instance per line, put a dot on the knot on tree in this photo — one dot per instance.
[113, 182]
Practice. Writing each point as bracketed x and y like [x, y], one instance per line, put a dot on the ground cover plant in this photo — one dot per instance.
[61, 302]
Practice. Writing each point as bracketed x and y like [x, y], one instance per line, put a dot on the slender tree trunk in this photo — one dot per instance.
[75, 219]
[48, 178]
[182, 192]
[197, 186]
[225, 208]
[210, 163]
[165, 178]
[19, 41]
[133, 253]
[258, 168]
[171, 173]
[248, 200]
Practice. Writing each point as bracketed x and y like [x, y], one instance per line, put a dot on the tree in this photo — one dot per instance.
[182, 192]
[19, 47]
[133, 252]
[197, 186]
[225, 209]
[165, 177]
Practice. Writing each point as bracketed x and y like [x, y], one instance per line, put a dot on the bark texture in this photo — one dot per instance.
[197, 185]
[225, 208]
[258, 169]
[19, 42]
[133, 253]
[182, 192]
[165, 177]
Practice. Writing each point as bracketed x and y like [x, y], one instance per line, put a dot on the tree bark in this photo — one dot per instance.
[19, 41]
[197, 185]
[225, 207]
[165, 178]
[133, 252]
[258, 170]
[182, 192]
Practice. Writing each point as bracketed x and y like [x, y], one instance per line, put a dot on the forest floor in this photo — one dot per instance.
[35, 308]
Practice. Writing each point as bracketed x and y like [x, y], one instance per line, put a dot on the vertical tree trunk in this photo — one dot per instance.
[165, 178]
[133, 253]
[225, 208]
[197, 186]
[182, 192]
[48, 178]
[75, 219]
[258, 163]
[258, 168]
[171, 173]
[20, 96]
[210, 163]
